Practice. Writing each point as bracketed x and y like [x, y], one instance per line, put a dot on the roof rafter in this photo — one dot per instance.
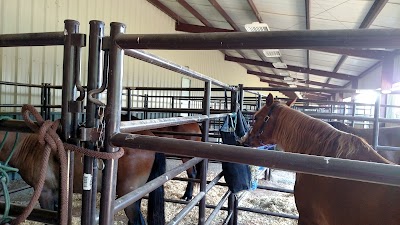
[291, 68]
[260, 74]
[373, 12]
[166, 10]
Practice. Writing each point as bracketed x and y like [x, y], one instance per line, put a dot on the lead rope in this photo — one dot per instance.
[50, 139]
[4, 178]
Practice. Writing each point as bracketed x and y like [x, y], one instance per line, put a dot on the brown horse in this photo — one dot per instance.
[323, 200]
[388, 136]
[191, 172]
[134, 169]
[191, 128]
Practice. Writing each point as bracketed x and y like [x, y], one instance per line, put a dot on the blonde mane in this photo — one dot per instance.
[300, 133]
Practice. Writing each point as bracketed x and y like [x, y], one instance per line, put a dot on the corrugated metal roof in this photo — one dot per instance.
[291, 15]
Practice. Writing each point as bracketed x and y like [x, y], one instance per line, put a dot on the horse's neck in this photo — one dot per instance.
[296, 138]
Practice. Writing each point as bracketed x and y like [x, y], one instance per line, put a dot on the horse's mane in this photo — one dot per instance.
[298, 132]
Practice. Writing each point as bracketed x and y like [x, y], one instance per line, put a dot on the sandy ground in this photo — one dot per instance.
[258, 199]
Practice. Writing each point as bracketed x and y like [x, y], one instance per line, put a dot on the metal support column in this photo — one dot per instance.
[90, 190]
[204, 163]
[241, 96]
[259, 102]
[129, 103]
[68, 94]
[113, 119]
[376, 121]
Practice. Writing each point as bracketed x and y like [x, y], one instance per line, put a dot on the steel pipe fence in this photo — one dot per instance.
[118, 41]
[71, 39]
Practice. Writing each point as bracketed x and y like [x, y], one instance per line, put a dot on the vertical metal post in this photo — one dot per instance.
[113, 120]
[376, 121]
[172, 105]
[95, 42]
[48, 101]
[234, 105]
[259, 103]
[68, 94]
[129, 102]
[241, 96]
[43, 100]
[204, 163]
[353, 113]
[146, 106]
[231, 206]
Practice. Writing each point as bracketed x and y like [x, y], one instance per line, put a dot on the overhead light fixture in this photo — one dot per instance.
[256, 27]
[271, 53]
[279, 65]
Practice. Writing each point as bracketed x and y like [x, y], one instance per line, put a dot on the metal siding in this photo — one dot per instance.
[44, 64]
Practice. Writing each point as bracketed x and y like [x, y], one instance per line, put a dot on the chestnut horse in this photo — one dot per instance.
[134, 169]
[388, 136]
[190, 128]
[323, 200]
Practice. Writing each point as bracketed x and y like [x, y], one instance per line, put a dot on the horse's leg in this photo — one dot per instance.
[155, 207]
[191, 173]
[134, 214]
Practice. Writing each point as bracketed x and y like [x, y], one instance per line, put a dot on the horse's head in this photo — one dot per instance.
[264, 123]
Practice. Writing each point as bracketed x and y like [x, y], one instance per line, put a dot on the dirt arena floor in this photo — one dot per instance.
[258, 199]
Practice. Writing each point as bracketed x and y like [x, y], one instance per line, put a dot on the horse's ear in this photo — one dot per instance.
[291, 102]
[270, 100]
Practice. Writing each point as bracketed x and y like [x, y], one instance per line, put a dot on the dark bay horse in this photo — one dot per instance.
[388, 136]
[323, 200]
[134, 169]
[190, 128]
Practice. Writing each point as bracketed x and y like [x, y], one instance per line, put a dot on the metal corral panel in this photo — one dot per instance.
[389, 17]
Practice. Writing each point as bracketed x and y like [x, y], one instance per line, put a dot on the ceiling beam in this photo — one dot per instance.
[260, 74]
[255, 11]
[291, 68]
[373, 12]
[194, 12]
[224, 14]
[166, 10]
[370, 54]
[190, 28]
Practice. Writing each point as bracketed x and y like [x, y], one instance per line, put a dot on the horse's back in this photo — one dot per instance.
[341, 202]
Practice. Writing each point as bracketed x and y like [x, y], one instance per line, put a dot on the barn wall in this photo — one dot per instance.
[372, 80]
[44, 64]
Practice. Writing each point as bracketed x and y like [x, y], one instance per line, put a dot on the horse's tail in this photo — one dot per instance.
[155, 210]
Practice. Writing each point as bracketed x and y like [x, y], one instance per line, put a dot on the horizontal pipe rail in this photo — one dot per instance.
[299, 39]
[187, 209]
[150, 124]
[287, 216]
[171, 89]
[14, 126]
[355, 118]
[21, 84]
[169, 110]
[156, 60]
[309, 164]
[217, 208]
[388, 148]
[32, 39]
[126, 200]
[38, 215]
